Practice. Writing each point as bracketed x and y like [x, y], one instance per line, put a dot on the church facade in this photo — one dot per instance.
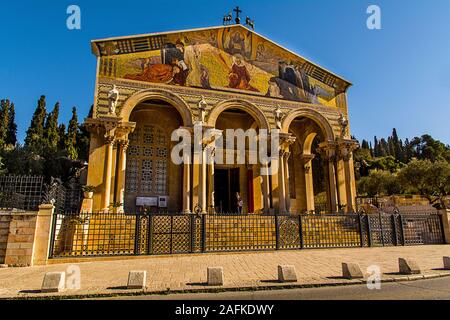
[220, 78]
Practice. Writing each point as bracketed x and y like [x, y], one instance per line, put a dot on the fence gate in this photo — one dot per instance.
[170, 234]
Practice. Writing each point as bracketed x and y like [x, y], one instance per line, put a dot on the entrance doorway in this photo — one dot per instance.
[226, 184]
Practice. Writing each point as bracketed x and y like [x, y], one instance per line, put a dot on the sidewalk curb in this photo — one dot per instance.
[222, 289]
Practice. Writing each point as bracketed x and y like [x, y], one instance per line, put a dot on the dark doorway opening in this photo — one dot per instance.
[226, 184]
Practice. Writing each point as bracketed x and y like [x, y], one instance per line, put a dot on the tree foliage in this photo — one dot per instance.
[35, 133]
[430, 179]
[50, 149]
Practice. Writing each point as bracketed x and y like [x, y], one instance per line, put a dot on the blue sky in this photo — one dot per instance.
[401, 74]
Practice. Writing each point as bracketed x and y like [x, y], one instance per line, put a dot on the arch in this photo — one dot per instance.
[313, 115]
[246, 106]
[308, 143]
[157, 94]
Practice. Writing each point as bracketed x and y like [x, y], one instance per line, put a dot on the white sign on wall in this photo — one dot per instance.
[147, 201]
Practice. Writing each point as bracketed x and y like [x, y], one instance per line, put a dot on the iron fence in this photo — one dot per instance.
[28, 192]
[105, 234]
[21, 192]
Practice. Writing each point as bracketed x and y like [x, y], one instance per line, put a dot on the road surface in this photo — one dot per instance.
[430, 289]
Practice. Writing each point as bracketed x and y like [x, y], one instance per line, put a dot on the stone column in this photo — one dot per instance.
[203, 177]
[42, 236]
[307, 183]
[211, 153]
[187, 183]
[108, 173]
[328, 151]
[346, 149]
[341, 183]
[282, 183]
[287, 186]
[266, 190]
[445, 216]
[122, 166]
[350, 182]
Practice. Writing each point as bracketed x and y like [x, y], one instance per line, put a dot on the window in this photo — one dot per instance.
[147, 163]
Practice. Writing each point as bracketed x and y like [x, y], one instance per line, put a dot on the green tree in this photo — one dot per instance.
[4, 121]
[426, 147]
[379, 183]
[62, 137]
[430, 179]
[35, 134]
[72, 132]
[51, 132]
[11, 136]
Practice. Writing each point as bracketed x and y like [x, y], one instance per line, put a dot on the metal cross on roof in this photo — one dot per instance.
[238, 11]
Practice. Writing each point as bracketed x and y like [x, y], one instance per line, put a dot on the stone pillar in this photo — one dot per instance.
[108, 173]
[196, 172]
[187, 183]
[306, 182]
[328, 151]
[275, 192]
[287, 186]
[445, 215]
[266, 190]
[341, 183]
[203, 177]
[346, 149]
[42, 237]
[211, 153]
[122, 166]
[282, 184]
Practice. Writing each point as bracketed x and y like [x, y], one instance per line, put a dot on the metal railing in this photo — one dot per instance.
[21, 192]
[106, 234]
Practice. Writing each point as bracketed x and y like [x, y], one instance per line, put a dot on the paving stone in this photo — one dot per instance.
[351, 271]
[408, 266]
[54, 282]
[215, 276]
[137, 280]
[287, 274]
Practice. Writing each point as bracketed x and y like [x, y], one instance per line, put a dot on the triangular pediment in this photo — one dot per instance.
[219, 58]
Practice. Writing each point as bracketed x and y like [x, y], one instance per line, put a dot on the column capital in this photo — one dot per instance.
[123, 143]
[346, 148]
[327, 150]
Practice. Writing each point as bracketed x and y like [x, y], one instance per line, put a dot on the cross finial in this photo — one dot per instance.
[238, 11]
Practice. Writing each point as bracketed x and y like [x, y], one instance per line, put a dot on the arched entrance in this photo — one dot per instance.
[312, 186]
[150, 173]
[237, 167]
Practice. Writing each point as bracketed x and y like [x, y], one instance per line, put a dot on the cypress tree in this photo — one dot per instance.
[35, 133]
[4, 121]
[51, 129]
[376, 148]
[62, 137]
[11, 136]
[72, 132]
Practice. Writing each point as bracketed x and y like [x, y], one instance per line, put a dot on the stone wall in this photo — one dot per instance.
[25, 236]
[5, 218]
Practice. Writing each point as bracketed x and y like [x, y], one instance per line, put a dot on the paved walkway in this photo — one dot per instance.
[242, 270]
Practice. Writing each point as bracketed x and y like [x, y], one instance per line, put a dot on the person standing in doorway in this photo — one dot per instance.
[240, 202]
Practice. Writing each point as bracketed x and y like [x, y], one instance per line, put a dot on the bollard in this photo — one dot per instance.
[54, 282]
[408, 266]
[137, 280]
[215, 276]
[351, 271]
[287, 274]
